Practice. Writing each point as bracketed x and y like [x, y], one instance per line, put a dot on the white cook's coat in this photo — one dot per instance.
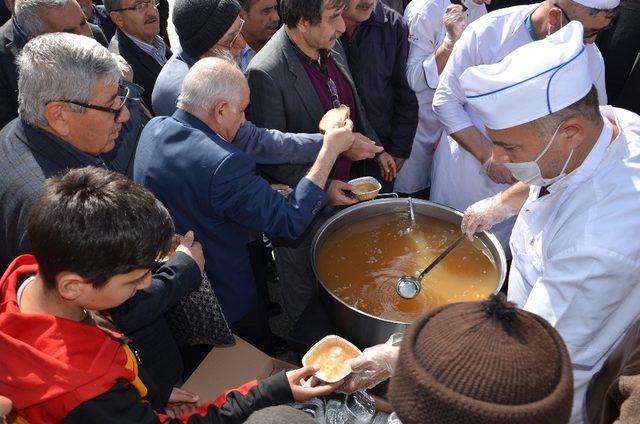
[458, 179]
[426, 34]
[576, 251]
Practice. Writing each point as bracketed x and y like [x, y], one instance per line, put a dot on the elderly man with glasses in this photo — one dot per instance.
[205, 28]
[72, 109]
[137, 39]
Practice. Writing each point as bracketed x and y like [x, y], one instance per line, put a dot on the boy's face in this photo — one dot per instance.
[118, 289]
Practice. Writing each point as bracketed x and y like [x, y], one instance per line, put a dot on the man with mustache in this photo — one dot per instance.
[300, 74]
[261, 21]
[377, 46]
[137, 40]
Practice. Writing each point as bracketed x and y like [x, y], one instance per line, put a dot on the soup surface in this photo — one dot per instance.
[362, 262]
[364, 188]
[331, 355]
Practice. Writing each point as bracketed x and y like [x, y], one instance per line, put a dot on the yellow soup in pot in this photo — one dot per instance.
[361, 263]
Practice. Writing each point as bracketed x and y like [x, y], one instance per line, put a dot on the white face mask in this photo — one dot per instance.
[529, 172]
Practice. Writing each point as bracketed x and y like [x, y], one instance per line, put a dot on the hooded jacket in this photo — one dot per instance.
[58, 370]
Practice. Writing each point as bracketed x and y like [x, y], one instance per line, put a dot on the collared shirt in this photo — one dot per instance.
[20, 36]
[157, 50]
[246, 55]
[575, 261]
[95, 17]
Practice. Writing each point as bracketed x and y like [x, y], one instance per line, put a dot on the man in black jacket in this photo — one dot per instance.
[70, 115]
[376, 42]
[137, 40]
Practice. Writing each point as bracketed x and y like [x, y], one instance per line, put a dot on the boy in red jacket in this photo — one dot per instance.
[96, 237]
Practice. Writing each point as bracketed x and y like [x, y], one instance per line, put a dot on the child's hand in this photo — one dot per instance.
[192, 248]
[304, 385]
[5, 406]
[181, 402]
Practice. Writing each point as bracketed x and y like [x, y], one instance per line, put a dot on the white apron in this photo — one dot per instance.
[573, 262]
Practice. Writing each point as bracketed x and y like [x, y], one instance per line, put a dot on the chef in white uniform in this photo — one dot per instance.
[576, 253]
[462, 169]
[434, 28]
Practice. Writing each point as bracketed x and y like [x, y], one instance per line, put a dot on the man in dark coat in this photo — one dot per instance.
[137, 40]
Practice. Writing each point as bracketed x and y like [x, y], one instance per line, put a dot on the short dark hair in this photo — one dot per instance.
[291, 11]
[98, 224]
[246, 4]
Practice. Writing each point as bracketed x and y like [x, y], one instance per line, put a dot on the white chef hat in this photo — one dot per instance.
[599, 4]
[533, 81]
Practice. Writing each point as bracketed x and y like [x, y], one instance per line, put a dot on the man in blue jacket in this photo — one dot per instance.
[189, 162]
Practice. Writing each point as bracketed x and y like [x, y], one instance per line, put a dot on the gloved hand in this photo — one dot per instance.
[375, 365]
[454, 22]
[483, 215]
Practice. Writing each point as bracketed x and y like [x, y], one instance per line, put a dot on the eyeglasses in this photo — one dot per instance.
[140, 6]
[235, 37]
[589, 34]
[333, 90]
[123, 95]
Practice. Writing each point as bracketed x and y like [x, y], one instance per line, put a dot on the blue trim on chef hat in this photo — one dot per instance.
[555, 70]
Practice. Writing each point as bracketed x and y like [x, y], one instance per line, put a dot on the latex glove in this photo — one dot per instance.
[375, 365]
[483, 215]
[387, 165]
[337, 196]
[454, 22]
[362, 148]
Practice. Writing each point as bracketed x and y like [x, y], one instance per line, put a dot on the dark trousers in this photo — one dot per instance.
[254, 328]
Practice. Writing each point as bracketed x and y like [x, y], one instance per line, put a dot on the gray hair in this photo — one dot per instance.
[587, 108]
[209, 81]
[60, 66]
[28, 15]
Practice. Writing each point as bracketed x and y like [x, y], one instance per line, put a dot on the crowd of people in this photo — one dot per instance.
[133, 171]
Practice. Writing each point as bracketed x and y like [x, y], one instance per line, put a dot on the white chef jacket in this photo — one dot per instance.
[426, 34]
[576, 253]
[458, 179]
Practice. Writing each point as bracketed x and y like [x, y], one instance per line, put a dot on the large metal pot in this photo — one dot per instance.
[360, 327]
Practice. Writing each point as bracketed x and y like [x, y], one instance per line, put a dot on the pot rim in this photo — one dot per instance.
[501, 261]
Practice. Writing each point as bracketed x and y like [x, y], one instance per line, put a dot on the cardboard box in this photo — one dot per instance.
[226, 368]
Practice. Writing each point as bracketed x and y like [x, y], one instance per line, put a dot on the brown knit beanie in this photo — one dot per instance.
[482, 363]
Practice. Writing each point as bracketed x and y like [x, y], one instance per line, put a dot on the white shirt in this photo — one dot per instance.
[458, 179]
[485, 41]
[576, 253]
[426, 33]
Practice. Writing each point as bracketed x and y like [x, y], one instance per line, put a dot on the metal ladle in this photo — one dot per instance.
[409, 287]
